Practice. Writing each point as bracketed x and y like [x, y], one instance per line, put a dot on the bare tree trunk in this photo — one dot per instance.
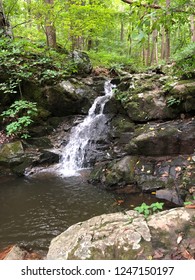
[148, 52]
[50, 29]
[5, 26]
[154, 51]
[167, 35]
[29, 13]
[122, 31]
[163, 44]
[192, 23]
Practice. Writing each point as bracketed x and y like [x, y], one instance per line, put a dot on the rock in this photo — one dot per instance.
[183, 93]
[116, 174]
[15, 252]
[148, 174]
[169, 138]
[9, 152]
[61, 100]
[170, 195]
[112, 236]
[82, 61]
[113, 106]
[124, 236]
[147, 97]
[48, 157]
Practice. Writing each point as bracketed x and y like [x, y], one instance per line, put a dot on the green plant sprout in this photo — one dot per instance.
[147, 210]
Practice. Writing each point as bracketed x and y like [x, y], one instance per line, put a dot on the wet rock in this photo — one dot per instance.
[124, 236]
[147, 174]
[48, 157]
[116, 174]
[170, 195]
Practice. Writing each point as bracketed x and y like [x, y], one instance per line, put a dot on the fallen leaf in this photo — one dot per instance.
[190, 206]
[187, 255]
[178, 168]
[158, 254]
[165, 174]
[119, 202]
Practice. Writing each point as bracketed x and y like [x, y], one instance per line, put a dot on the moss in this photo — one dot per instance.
[122, 124]
[11, 149]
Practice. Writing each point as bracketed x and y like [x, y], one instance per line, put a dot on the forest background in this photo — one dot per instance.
[113, 33]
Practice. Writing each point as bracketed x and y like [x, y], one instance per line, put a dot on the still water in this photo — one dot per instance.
[35, 210]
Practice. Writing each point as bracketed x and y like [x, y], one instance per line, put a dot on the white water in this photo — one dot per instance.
[76, 154]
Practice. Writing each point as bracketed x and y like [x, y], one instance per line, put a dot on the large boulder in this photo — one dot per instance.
[9, 152]
[183, 93]
[62, 99]
[126, 236]
[82, 61]
[147, 97]
[170, 176]
[159, 139]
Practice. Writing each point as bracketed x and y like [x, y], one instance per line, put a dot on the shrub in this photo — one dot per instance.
[19, 117]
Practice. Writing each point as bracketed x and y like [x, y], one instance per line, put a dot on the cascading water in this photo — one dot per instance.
[76, 154]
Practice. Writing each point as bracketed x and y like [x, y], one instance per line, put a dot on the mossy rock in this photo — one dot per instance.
[10, 150]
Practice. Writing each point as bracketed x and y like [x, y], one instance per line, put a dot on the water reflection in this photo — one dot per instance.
[34, 210]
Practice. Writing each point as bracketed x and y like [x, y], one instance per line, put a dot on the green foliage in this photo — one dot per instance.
[171, 101]
[110, 59]
[147, 210]
[185, 61]
[19, 116]
[23, 60]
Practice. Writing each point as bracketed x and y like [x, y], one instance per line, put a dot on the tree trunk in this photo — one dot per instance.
[148, 52]
[50, 29]
[29, 23]
[5, 27]
[167, 35]
[192, 24]
[154, 52]
[163, 44]
[122, 31]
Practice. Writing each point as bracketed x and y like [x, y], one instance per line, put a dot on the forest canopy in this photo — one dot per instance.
[147, 32]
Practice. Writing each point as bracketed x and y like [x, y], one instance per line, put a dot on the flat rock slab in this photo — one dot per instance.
[125, 236]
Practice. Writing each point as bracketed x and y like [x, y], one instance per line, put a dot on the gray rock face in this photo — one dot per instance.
[81, 59]
[123, 236]
[169, 138]
[102, 237]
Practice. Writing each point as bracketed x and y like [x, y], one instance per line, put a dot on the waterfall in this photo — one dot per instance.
[83, 137]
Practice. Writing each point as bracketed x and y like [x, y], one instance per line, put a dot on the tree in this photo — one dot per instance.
[192, 28]
[5, 26]
[49, 26]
